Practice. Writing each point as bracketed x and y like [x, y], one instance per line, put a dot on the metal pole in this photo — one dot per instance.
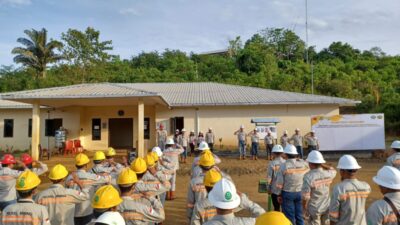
[306, 31]
[312, 78]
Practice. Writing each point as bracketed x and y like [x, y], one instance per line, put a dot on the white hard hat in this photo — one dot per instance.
[297, 129]
[348, 162]
[210, 128]
[242, 126]
[177, 130]
[170, 141]
[203, 146]
[395, 144]
[111, 218]
[277, 149]
[285, 132]
[224, 195]
[312, 131]
[157, 150]
[388, 177]
[183, 129]
[290, 149]
[315, 157]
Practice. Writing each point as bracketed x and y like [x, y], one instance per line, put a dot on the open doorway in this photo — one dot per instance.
[177, 123]
[120, 133]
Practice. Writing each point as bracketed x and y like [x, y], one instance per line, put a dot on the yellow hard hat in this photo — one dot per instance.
[99, 155]
[273, 217]
[27, 181]
[212, 177]
[207, 159]
[111, 152]
[127, 176]
[106, 197]
[155, 156]
[139, 165]
[81, 159]
[149, 160]
[58, 172]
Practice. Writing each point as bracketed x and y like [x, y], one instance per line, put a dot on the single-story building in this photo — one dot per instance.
[126, 115]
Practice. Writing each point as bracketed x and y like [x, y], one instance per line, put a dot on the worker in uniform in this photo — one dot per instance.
[176, 136]
[151, 188]
[255, 140]
[196, 190]
[60, 201]
[83, 211]
[8, 177]
[167, 169]
[312, 141]
[386, 210]
[273, 169]
[241, 136]
[171, 153]
[154, 175]
[110, 160]
[289, 182]
[315, 189]
[284, 139]
[205, 211]
[348, 199]
[394, 159]
[137, 209]
[161, 137]
[226, 199]
[26, 211]
[269, 144]
[99, 168]
[273, 218]
[192, 142]
[106, 199]
[210, 139]
[28, 161]
[297, 140]
[183, 141]
[203, 147]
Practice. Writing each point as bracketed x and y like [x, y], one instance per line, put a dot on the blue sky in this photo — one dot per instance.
[202, 25]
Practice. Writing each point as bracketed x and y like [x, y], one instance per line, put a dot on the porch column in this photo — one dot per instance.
[197, 122]
[140, 147]
[35, 130]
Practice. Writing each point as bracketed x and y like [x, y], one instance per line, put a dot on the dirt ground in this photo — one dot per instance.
[245, 174]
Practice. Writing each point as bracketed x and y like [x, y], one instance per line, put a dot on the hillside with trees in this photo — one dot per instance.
[272, 58]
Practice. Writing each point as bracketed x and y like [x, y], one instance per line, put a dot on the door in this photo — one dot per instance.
[120, 132]
[176, 124]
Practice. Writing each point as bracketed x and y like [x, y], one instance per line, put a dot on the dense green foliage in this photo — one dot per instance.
[273, 58]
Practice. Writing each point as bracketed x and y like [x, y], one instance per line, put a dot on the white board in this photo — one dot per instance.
[263, 131]
[350, 132]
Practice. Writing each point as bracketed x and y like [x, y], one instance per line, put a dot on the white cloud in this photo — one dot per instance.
[15, 2]
[129, 11]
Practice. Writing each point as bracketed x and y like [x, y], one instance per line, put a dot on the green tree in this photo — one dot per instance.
[85, 48]
[37, 53]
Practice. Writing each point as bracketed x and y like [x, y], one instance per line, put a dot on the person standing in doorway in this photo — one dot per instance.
[284, 139]
[177, 136]
[312, 141]
[192, 142]
[255, 139]
[297, 140]
[161, 137]
[241, 136]
[210, 139]
[269, 144]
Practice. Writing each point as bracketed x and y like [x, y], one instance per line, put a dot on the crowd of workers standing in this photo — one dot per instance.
[134, 192]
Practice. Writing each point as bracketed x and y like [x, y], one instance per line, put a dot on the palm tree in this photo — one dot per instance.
[37, 52]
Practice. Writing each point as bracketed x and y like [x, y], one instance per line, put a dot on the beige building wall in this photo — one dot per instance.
[223, 119]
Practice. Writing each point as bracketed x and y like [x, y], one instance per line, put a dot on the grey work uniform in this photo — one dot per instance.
[205, 211]
[25, 212]
[161, 138]
[272, 172]
[41, 170]
[172, 155]
[230, 219]
[8, 179]
[380, 212]
[91, 182]
[60, 203]
[141, 211]
[196, 192]
[210, 138]
[394, 160]
[284, 140]
[290, 175]
[348, 199]
[312, 142]
[315, 190]
[297, 140]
